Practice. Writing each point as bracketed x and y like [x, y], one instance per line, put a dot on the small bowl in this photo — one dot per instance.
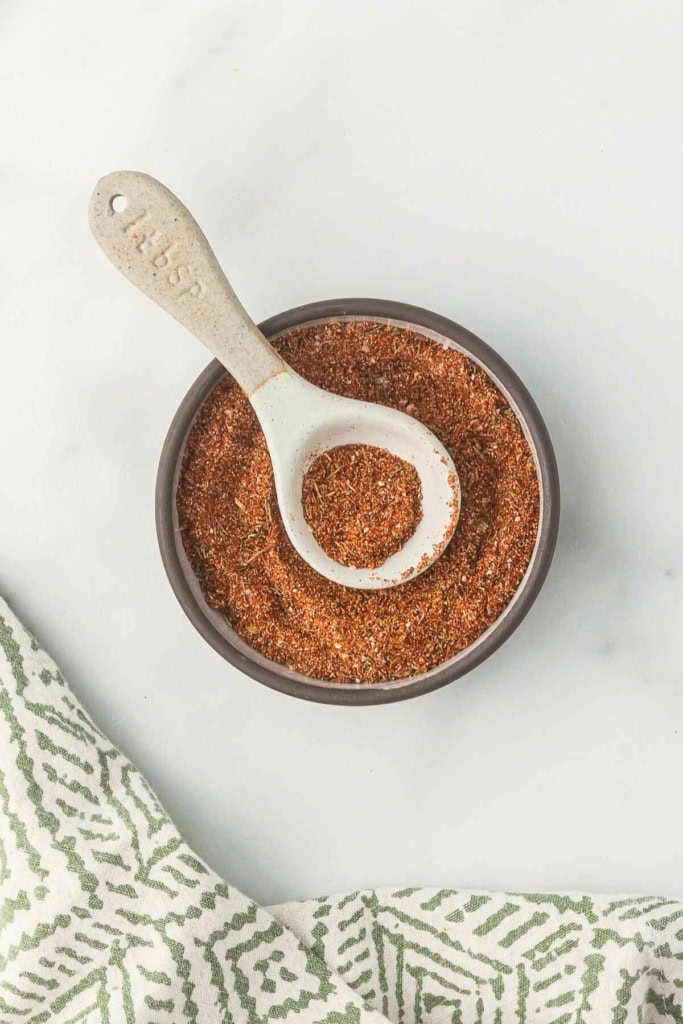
[212, 624]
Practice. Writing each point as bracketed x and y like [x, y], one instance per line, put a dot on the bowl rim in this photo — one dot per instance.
[186, 586]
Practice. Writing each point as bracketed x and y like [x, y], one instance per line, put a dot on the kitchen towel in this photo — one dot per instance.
[107, 915]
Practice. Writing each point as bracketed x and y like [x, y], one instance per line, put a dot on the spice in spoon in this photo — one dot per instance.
[239, 550]
[362, 503]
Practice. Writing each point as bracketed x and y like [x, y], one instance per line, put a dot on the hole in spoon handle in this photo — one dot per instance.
[149, 236]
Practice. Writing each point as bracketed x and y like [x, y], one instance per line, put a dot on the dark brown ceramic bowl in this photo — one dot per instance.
[214, 627]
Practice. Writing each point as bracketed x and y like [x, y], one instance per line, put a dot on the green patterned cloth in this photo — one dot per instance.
[108, 916]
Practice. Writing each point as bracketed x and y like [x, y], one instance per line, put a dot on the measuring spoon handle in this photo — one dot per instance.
[155, 241]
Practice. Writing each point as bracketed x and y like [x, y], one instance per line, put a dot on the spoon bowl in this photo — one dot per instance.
[326, 421]
[152, 238]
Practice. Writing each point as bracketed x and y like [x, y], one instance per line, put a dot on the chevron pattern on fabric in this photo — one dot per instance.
[425, 956]
[106, 914]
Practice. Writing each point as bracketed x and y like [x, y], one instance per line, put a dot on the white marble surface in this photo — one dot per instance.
[516, 167]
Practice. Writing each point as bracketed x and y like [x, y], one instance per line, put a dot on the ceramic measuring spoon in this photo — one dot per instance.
[151, 238]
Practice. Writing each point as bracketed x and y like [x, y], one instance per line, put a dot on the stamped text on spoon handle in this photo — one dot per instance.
[161, 253]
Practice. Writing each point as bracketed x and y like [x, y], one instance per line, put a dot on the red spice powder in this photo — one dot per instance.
[239, 550]
[362, 503]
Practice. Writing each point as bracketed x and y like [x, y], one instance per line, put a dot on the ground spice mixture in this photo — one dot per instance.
[238, 547]
[362, 503]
